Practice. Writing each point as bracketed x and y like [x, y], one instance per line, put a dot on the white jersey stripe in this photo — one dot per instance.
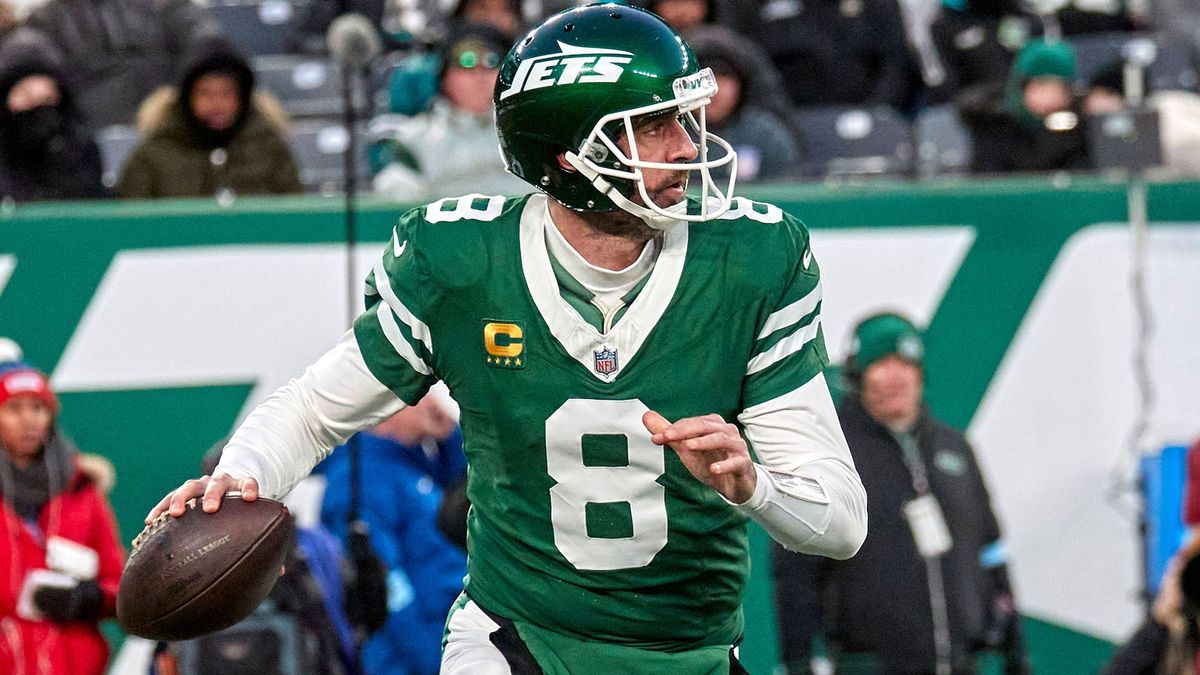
[383, 284]
[785, 348]
[391, 330]
[792, 313]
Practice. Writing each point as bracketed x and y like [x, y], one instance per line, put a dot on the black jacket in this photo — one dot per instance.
[45, 153]
[878, 602]
[1005, 143]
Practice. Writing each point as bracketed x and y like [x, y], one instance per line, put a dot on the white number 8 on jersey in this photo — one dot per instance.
[579, 484]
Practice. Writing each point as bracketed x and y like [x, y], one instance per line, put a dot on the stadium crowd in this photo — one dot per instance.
[143, 99]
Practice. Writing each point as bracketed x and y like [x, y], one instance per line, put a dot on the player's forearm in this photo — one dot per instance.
[821, 511]
[809, 497]
[297, 426]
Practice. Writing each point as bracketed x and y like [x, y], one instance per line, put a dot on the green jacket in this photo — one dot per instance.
[172, 162]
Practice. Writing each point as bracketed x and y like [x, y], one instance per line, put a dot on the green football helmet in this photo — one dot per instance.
[574, 86]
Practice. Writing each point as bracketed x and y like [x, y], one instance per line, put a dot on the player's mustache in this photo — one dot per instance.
[680, 177]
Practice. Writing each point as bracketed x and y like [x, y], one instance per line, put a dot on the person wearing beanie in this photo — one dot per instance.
[46, 150]
[62, 561]
[213, 135]
[930, 588]
[450, 147]
[1036, 124]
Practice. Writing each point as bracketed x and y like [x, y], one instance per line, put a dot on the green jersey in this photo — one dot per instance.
[579, 523]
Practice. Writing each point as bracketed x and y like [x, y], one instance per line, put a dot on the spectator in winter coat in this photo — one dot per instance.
[406, 462]
[46, 152]
[211, 135]
[50, 616]
[1036, 123]
[930, 585]
[765, 146]
[449, 148]
[118, 51]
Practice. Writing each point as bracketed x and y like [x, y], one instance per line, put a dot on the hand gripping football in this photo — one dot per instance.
[203, 572]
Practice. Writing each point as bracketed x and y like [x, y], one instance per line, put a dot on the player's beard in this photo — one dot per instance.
[621, 223]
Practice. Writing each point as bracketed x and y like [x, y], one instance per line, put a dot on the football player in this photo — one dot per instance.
[617, 349]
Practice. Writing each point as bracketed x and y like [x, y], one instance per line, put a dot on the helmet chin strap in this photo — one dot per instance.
[659, 221]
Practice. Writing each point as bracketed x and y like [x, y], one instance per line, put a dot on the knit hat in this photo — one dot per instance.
[18, 378]
[1037, 59]
[882, 335]
[1045, 59]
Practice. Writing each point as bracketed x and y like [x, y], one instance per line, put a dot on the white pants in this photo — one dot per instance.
[469, 649]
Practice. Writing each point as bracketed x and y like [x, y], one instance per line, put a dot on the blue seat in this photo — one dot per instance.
[258, 26]
[318, 147]
[305, 86]
[943, 143]
[1174, 65]
[854, 141]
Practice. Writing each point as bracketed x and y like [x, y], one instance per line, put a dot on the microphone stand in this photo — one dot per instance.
[369, 577]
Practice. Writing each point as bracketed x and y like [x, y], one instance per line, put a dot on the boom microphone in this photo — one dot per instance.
[353, 41]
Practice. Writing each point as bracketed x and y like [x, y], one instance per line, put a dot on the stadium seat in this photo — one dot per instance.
[317, 146]
[1174, 66]
[258, 26]
[115, 143]
[943, 142]
[848, 141]
[305, 86]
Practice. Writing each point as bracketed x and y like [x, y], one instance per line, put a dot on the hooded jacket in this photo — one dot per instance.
[76, 510]
[1007, 135]
[45, 152]
[181, 158]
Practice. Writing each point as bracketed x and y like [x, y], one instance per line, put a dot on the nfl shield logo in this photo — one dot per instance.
[606, 361]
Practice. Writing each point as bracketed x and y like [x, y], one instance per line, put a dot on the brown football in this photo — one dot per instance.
[202, 572]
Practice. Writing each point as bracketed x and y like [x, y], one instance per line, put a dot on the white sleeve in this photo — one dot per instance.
[296, 427]
[809, 496]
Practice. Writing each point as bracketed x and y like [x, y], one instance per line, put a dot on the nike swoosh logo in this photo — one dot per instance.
[398, 248]
[807, 260]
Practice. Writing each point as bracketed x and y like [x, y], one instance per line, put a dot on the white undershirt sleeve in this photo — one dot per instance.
[809, 496]
[296, 427]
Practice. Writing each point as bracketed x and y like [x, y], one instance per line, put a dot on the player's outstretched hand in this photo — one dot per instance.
[712, 450]
[212, 489]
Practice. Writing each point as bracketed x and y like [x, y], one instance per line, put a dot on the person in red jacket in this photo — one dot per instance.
[61, 559]
[1191, 488]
